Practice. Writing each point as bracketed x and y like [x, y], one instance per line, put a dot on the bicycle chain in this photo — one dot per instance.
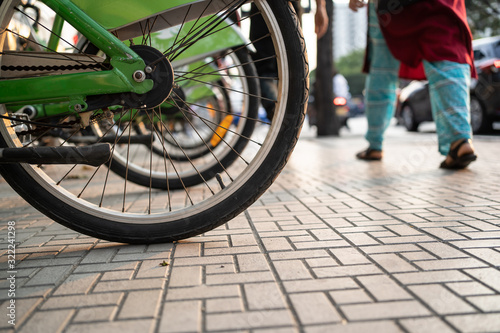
[51, 68]
[43, 129]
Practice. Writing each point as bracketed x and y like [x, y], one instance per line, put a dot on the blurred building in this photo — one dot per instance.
[349, 29]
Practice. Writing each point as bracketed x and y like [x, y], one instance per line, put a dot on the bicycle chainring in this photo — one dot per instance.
[162, 75]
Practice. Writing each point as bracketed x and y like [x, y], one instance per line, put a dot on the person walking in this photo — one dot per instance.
[423, 40]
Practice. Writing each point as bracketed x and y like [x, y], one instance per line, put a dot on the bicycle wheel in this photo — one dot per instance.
[96, 202]
[209, 132]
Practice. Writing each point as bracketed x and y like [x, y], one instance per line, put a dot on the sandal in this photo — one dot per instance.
[458, 162]
[370, 155]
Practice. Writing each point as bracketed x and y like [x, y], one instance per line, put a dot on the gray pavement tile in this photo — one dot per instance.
[335, 245]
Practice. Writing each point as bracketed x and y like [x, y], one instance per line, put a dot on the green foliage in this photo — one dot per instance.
[351, 63]
[483, 17]
[351, 66]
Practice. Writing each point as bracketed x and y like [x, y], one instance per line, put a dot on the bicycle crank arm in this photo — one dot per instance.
[94, 155]
[134, 139]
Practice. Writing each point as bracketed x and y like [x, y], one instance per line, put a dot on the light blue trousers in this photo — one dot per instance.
[448, 85]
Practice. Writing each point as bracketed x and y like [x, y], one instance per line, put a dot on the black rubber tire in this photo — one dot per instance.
[480, 122]
[408, 118]
[68, 210]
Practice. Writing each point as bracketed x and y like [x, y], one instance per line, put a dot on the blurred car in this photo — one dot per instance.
[414, 105]
[344, 109]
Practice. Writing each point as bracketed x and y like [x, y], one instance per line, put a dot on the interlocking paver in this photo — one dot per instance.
[335, 245]
[314, 308]
[101, 313]
[426, 325]
[383, 288]
[248, 320]
[384, 310]
[264, 296]
[484, 322]
[441, 300]
[47, 321]
[140, 325]
[149, 303]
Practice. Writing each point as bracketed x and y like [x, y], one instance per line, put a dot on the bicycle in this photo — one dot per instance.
[122, 83]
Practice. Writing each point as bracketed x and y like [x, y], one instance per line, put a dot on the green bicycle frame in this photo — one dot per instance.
[93, 19]
[77, 86]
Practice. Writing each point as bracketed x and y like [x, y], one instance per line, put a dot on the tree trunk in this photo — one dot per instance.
[328, 123]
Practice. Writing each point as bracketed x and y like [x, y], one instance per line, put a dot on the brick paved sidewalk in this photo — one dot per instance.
[336, 245]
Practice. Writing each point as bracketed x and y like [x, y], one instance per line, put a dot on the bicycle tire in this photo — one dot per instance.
[129, 223]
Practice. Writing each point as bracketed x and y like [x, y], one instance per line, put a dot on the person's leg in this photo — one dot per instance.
[380, 86]
[449, 85]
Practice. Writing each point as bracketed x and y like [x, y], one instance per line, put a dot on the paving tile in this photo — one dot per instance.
[222, 305]
[53, 321]
[303, 254]
[384, 310]
[350, 296]
[486, 322]
[441, 300]
[321, 262]
[398, 248]
[491, 256]
[415, 256]
[202, 292]
[486, 303]
[118, 275]
[232, 250]
[426, 325]
[431, 277]
[80, 301]
[128, 285]
[335, 245]
[91, 268]
[277, 244]
[95, 314]
[243, 240]
[313, 285]
[489, 276]
[314, 308]
[49, 275]
[186, 277]
[469, 288]
[292, 270]
[264, 296]
[220, 269]
[350, 270]
[393, 263]
[210, 260]
[77, 284]
[113, 327]
[248, 320]
[24, 310]
[383, 288]
[187, 250]
[252, 262]
[463, 263]
[361, 239]
[99, 255]
[246, 277]
[373, 327]
[149, 304]
[349, 256]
